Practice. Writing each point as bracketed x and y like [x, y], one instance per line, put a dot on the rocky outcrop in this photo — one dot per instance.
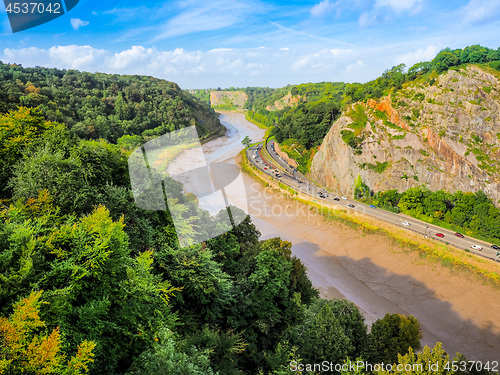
[284, 155]
[288, 100]
[444, 134]
[228, 98]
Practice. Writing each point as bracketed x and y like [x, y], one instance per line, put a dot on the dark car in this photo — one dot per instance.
[336, 199]
[440, 235]
[495, 247]
[459, 235]
[350, 205]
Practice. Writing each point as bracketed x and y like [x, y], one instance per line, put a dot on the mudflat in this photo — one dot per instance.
[381, 277]
[370, 270]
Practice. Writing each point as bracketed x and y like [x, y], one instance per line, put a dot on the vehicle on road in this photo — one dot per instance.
[405, 223]
[440, 235]
[459, 235]
[477, 247]
[350, 205]
[372, 206]
[495, 247]
[336, 199]
[345, 198]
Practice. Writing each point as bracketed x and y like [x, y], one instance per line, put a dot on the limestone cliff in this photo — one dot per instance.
[228, 99]
[288, 100]
[444, 134]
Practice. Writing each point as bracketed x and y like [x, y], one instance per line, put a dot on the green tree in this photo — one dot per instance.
[393, 335]
[246, 141]
[18, 130]
[26, 346]
[444, 60]
[165, 358]
[411, 201]
[325, 338]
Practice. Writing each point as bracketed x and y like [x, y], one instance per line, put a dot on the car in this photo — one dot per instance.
[336, 199]
[345, 198]
[477, 247]
[350, 205]
[405, 223]
[495, 247]
[459, 235]
[278, 175]
[372, 206]
[440, 235]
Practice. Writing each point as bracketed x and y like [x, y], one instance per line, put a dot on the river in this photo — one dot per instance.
[367, 269]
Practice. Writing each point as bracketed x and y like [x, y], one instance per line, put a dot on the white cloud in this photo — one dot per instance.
[196, 16]
[358, 65]
[199, 69]
[323, 60]
[323, 8]
[340, 52]
[77, 57]
[285, 49]
[220, 49]
[422, 54]
[381, 11]
[398, 5]
[76, 23]
[477, 11]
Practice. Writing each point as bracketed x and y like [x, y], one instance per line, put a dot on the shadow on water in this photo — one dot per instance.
[381, 291]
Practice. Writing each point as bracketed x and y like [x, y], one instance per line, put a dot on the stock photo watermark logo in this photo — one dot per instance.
[25, 15]
[217, 187]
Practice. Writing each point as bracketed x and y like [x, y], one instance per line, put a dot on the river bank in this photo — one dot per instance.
[377, 274]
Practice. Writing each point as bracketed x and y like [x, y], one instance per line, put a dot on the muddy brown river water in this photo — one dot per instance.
[368, 269]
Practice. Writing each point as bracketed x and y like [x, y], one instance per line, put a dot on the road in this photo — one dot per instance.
[278, 169]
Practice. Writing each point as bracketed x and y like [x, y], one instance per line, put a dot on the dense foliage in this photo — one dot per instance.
[471, 213]
[91, 283]
[101, 105]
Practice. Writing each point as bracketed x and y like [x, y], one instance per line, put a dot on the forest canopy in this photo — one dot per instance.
[91, 283]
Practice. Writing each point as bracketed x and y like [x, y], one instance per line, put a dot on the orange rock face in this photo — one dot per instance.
[385, 106]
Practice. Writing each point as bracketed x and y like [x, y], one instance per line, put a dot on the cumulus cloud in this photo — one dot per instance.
[222, 67]
[76, 23]
[67, 57]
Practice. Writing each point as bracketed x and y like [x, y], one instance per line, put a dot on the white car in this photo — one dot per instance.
[345, 198]
[477, 247]
[405, 223]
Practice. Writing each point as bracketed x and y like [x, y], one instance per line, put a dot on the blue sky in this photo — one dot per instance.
[202, 44]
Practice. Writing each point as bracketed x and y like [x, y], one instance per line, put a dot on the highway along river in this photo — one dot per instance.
[368, 269]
